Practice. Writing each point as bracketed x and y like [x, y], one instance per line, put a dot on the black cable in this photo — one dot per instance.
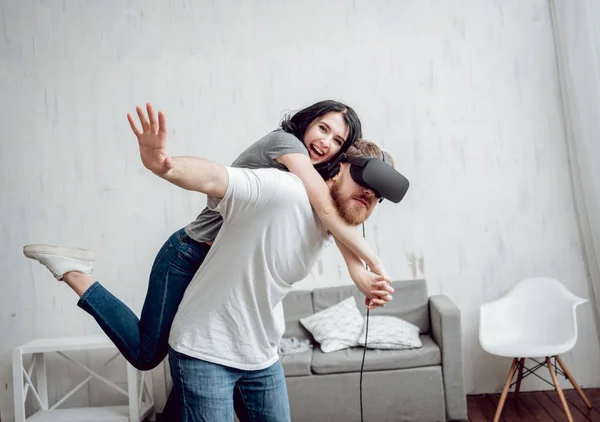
[362, 365]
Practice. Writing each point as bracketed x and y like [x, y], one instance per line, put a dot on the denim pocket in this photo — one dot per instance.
[189, 256]
[192, 249]
[191, 253]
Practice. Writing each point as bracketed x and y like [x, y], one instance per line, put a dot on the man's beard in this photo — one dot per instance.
[351, 211]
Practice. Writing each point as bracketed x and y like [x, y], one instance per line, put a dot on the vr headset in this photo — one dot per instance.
[372, 173]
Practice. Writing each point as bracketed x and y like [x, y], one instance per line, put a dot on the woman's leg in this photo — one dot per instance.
[144, 342]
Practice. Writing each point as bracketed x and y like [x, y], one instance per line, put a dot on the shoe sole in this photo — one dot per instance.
[30, 251]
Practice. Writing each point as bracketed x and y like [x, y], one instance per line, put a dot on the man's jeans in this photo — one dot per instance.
[210, 392]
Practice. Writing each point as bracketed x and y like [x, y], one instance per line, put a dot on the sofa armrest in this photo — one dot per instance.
[446, 332]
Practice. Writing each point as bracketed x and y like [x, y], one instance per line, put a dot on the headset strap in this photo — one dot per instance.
[385, 159]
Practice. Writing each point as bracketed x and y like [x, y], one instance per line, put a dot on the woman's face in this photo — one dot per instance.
[325, 136]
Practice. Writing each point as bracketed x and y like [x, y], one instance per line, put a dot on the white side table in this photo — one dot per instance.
[141, 402]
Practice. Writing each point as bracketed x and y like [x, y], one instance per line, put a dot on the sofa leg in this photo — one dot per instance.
[511, 374]
[573, 382]
[558, 389]
[519, 378]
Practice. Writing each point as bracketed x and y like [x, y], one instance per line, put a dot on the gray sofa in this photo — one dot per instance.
[424, 384]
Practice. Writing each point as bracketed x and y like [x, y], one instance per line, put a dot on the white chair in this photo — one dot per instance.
[536, 319]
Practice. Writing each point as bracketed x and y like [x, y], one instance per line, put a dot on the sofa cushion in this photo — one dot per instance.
[297, 304]
[349, 360]
[336, 327]
[410, 303]
[389, 332]
[296, 364]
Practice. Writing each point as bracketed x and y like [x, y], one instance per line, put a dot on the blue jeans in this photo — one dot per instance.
[144, 341]
[211, 392]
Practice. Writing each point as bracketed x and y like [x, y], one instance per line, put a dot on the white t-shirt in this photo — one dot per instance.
[231, 313]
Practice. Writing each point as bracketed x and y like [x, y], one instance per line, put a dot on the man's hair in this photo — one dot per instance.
[364, 148]
[297, 123]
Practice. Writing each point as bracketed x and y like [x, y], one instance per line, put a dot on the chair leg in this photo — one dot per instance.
[519, 378]
[573, 382]
[511, 374]
[558, 389]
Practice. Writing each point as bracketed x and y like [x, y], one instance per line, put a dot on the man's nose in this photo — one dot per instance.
[368, 193]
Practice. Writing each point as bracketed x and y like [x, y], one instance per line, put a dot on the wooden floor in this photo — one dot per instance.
[535, 406]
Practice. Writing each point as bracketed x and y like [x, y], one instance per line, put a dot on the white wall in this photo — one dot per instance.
[463, 93]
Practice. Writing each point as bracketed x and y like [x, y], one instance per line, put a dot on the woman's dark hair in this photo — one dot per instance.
[298, 123]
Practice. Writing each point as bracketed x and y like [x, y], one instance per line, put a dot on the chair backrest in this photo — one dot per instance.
[549, 289]
[537, 309]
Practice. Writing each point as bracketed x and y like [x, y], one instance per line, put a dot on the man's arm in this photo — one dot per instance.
[189, 173]
[198, 174]
[353, 262]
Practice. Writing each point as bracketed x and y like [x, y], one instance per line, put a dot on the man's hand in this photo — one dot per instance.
[376, 288]
[152, 140]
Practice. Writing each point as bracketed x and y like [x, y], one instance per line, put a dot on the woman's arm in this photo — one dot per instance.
[320, 199]
[376, 288]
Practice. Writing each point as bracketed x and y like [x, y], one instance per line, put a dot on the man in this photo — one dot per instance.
[225, 335]
[223, 341]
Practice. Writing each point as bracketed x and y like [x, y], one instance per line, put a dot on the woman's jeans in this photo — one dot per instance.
[144, 342]
[210, 392]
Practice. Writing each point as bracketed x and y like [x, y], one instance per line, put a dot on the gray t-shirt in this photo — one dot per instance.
[261, 154]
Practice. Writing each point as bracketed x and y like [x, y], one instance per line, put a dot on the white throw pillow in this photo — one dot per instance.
[389, 332]
[336, 327]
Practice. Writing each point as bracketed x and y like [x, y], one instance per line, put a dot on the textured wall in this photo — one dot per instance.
[463, 93]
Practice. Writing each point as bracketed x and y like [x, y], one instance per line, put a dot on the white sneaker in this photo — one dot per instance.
[61, 259]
